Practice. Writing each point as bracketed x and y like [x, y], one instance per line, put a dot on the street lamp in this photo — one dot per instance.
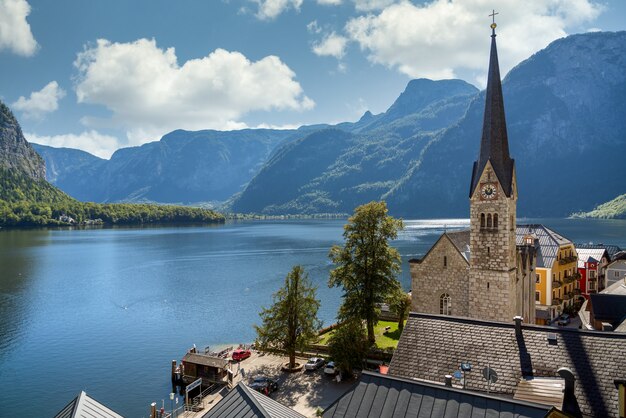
[172, 394]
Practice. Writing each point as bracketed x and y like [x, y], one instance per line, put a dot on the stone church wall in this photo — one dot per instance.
[430, 279]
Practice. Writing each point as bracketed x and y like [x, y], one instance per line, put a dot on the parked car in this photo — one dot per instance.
[264, 384]
[564, 320]
[314, 363]
[240, 354]
[330, 368]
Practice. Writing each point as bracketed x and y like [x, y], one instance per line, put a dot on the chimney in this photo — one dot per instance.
[621, 387]
[448, 380]
[570, 403]
[518, 324]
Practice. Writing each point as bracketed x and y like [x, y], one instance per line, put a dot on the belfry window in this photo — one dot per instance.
[482, 220]
[445, 304]
[495, 220]
[489, 220]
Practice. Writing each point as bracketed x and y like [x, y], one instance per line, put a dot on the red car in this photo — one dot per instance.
[239, 354]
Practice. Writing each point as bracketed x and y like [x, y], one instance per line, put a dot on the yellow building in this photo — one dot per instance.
[556, 272]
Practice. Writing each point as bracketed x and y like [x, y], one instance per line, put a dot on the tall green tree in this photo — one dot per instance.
[348, 346]
[400, 304]
[291, 323]
[366, 266]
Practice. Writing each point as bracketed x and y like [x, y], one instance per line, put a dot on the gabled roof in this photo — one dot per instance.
[204, 360]
[592, 255]
[549, 242]
[494, 143]
[243, 402]
[378, 395]
[432, 346]
[459, 239]
[84, 406]
[610, 249]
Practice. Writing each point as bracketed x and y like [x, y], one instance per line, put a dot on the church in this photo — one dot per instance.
[488, 271]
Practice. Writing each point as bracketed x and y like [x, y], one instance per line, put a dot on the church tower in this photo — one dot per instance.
[493, 197]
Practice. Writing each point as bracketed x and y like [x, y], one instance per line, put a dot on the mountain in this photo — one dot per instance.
[614, 209]
[183, 167]
[566, 115]
[566, 118]
[27, 199]
[337, 168]
[15, 153]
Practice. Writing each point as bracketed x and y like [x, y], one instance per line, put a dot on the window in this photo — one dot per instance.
[537, 278]
[489, 220]
[488, 250]
[592, 274]
[482, 220]
[537, 296]
[445, 261]
[495, 220]
[616, 273]
[445, 304]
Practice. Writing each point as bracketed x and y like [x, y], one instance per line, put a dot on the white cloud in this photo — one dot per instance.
[313, 27]
[332, 45]
[449, 38]
[149, 94]
[270, 9]
[369, 5]
[15, 34]
[40, 102]
[330, 2]
[91, 141]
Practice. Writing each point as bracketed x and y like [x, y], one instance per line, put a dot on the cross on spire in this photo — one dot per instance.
[493, 16]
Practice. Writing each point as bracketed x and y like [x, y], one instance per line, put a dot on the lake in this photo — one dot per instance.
[106, 310]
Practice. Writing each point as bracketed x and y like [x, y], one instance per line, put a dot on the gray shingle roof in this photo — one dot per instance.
[610, 249]
[84, 406]
[379, 395]
[461, 240]
[589, 255]
[432, 346]
[204, 360]
[243, 402]
[549, 242]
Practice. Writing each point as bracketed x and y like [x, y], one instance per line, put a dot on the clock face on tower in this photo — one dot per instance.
[488, 191]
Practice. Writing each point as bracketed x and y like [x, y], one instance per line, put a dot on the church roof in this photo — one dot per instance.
[494, 143]
[432, 346]
[377, 395]
[548, 240]
[84, 406]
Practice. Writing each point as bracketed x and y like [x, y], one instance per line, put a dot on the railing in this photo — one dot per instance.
[568, 279]
[568, 296]
[567, 260]
[556, 284]
[556, 301]
[577, 292]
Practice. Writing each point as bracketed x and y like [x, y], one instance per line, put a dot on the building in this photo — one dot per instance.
[433, 346]
[245, 402]
[497, 281]
[86, 406]
[616, 270]
[606, 311]
[210, 368]
[592, 264]
[378, 395]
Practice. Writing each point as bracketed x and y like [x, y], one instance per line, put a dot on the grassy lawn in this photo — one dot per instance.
[382, 340]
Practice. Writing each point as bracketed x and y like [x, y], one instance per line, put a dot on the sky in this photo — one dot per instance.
[100, 75]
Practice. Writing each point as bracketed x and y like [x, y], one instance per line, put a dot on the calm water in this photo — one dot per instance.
[106, 310]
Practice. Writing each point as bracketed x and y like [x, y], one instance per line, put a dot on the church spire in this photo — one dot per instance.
[494, 144]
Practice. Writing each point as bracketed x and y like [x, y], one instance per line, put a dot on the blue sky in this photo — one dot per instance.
[103, 74]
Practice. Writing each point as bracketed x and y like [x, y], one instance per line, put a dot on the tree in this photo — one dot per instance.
[291, 323]
[400, 304]
[348, 346]
[366, 265]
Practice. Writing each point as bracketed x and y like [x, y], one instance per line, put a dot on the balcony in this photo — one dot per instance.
[568, 295]
[567, 260]
[556, 302]
[556, 284]
[568, 279]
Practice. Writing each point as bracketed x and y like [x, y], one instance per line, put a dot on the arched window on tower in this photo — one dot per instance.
[495, 221]
[445, 304]
[489, 220]
[482, 220]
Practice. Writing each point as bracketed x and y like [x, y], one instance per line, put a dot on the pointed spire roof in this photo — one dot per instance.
[494, 144]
